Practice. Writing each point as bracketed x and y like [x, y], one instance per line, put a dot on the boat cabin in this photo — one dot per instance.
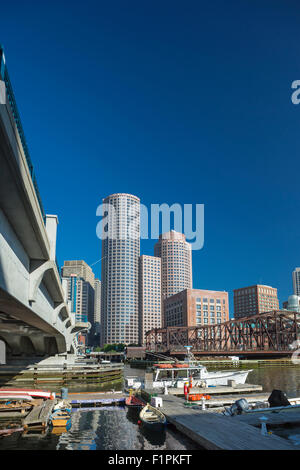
[177, 372]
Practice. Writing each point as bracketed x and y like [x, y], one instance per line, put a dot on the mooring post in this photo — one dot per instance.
[263, 420]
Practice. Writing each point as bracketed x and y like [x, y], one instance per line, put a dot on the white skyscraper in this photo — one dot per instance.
[120, 271]
[296, 281]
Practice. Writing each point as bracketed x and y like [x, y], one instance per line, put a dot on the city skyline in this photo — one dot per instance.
[149, 123]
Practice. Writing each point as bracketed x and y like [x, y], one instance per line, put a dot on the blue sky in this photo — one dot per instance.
[175, 102]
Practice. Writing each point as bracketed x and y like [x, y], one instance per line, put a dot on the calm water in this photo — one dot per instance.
[114, 428]
[105, 428]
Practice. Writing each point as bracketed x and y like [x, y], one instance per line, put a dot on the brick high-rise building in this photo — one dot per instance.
[196, 307]
[150, 309]
[176, 263]
[254, 300]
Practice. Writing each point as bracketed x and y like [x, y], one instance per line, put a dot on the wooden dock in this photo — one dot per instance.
[96, 399]
[61, 374]
[228, 400]
[39, 415]
[219, 390]
[215, 432]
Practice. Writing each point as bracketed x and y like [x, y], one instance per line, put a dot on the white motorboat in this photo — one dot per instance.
[176, 375]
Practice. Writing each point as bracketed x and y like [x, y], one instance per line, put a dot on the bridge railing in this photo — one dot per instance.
[14, 109]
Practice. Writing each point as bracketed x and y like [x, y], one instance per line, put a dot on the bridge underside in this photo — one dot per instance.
[23, 332]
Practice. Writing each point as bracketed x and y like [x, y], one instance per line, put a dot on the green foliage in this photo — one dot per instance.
[117, 347]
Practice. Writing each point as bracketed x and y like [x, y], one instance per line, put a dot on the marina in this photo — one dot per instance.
[185, 417]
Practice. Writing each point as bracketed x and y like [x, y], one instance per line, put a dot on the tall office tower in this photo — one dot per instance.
[150, 311]
[120, 267]
[97, 308]
[78, 279]
[176, 263]
[296, 281]
[195, 307]
[254, 300]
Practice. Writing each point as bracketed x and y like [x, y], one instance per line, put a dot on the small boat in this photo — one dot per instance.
[59, 430]
[277, 402]
[60, 417]
[27, 391]
[134, 402]
[152, 417]
[15, 397]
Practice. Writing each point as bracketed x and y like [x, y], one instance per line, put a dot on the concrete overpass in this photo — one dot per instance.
[34, 316]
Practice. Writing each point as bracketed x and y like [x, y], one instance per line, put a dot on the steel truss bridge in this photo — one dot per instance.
[269, 334]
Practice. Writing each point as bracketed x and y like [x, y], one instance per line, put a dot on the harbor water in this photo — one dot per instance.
[117, 428]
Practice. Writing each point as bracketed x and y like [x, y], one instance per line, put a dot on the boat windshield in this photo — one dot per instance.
[177, 373]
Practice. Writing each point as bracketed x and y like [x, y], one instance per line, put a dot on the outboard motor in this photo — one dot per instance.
[239, 407]
[278, 398]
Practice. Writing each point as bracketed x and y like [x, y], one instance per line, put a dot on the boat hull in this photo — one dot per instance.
[211, 379]
[26, 391]
[153, 426]
[149, 422]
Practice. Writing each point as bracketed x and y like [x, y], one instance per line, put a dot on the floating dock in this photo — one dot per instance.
[215, 432]
[218, 390]
[88, 400]
[38, 417]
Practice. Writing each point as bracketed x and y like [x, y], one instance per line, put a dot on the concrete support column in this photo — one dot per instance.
[51, 228]
[38, 342]
[62, 343]
[14, 342]
[36, 278]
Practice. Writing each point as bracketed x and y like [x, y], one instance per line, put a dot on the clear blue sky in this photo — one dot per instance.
[186, 102]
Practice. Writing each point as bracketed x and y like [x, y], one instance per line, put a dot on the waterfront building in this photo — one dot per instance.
[120, 271]
[80, 268]
[78, 281]
[296, 281]
[293, 303]
[196, 307]
[176, 263]
[97, 307]
[254, 300]
[150, 308]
